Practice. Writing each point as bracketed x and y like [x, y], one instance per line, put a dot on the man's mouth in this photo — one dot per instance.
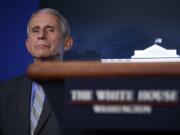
[41, 46]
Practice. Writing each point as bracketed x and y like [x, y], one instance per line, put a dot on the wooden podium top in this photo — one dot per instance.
[60, 70]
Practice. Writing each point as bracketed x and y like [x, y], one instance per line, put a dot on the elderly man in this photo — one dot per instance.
[24, 108]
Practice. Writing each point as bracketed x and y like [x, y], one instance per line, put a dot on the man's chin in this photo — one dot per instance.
[41, 55]
[46, 57]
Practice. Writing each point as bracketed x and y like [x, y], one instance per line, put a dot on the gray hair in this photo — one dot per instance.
[62, 21]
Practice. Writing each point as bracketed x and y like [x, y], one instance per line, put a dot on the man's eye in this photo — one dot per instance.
[35, 30]
[51, 30]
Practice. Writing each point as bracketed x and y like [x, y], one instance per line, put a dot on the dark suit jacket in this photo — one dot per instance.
[15, 97]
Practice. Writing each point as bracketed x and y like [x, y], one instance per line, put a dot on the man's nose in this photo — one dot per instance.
[42, 34]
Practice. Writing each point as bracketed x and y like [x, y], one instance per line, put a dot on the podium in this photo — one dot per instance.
[109, 98]
[60, 70]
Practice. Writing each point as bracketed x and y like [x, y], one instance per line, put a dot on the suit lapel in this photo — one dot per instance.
[23, 88]
[44, 117]
[23, 99]
[47, 110]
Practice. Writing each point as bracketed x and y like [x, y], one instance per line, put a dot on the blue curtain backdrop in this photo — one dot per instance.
[14, 58]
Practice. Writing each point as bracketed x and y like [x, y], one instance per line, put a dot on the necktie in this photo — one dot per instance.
[37, 105]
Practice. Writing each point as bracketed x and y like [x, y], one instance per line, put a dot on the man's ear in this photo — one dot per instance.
[68, 43]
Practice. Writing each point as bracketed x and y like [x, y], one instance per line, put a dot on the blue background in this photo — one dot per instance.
[101, 29]
[14, 58]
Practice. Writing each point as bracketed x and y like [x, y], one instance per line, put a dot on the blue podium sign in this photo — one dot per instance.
[138, 103]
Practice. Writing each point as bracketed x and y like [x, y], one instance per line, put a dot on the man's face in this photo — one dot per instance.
[45, 37]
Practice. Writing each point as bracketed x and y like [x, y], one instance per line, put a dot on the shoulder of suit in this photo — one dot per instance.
[14, 82]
